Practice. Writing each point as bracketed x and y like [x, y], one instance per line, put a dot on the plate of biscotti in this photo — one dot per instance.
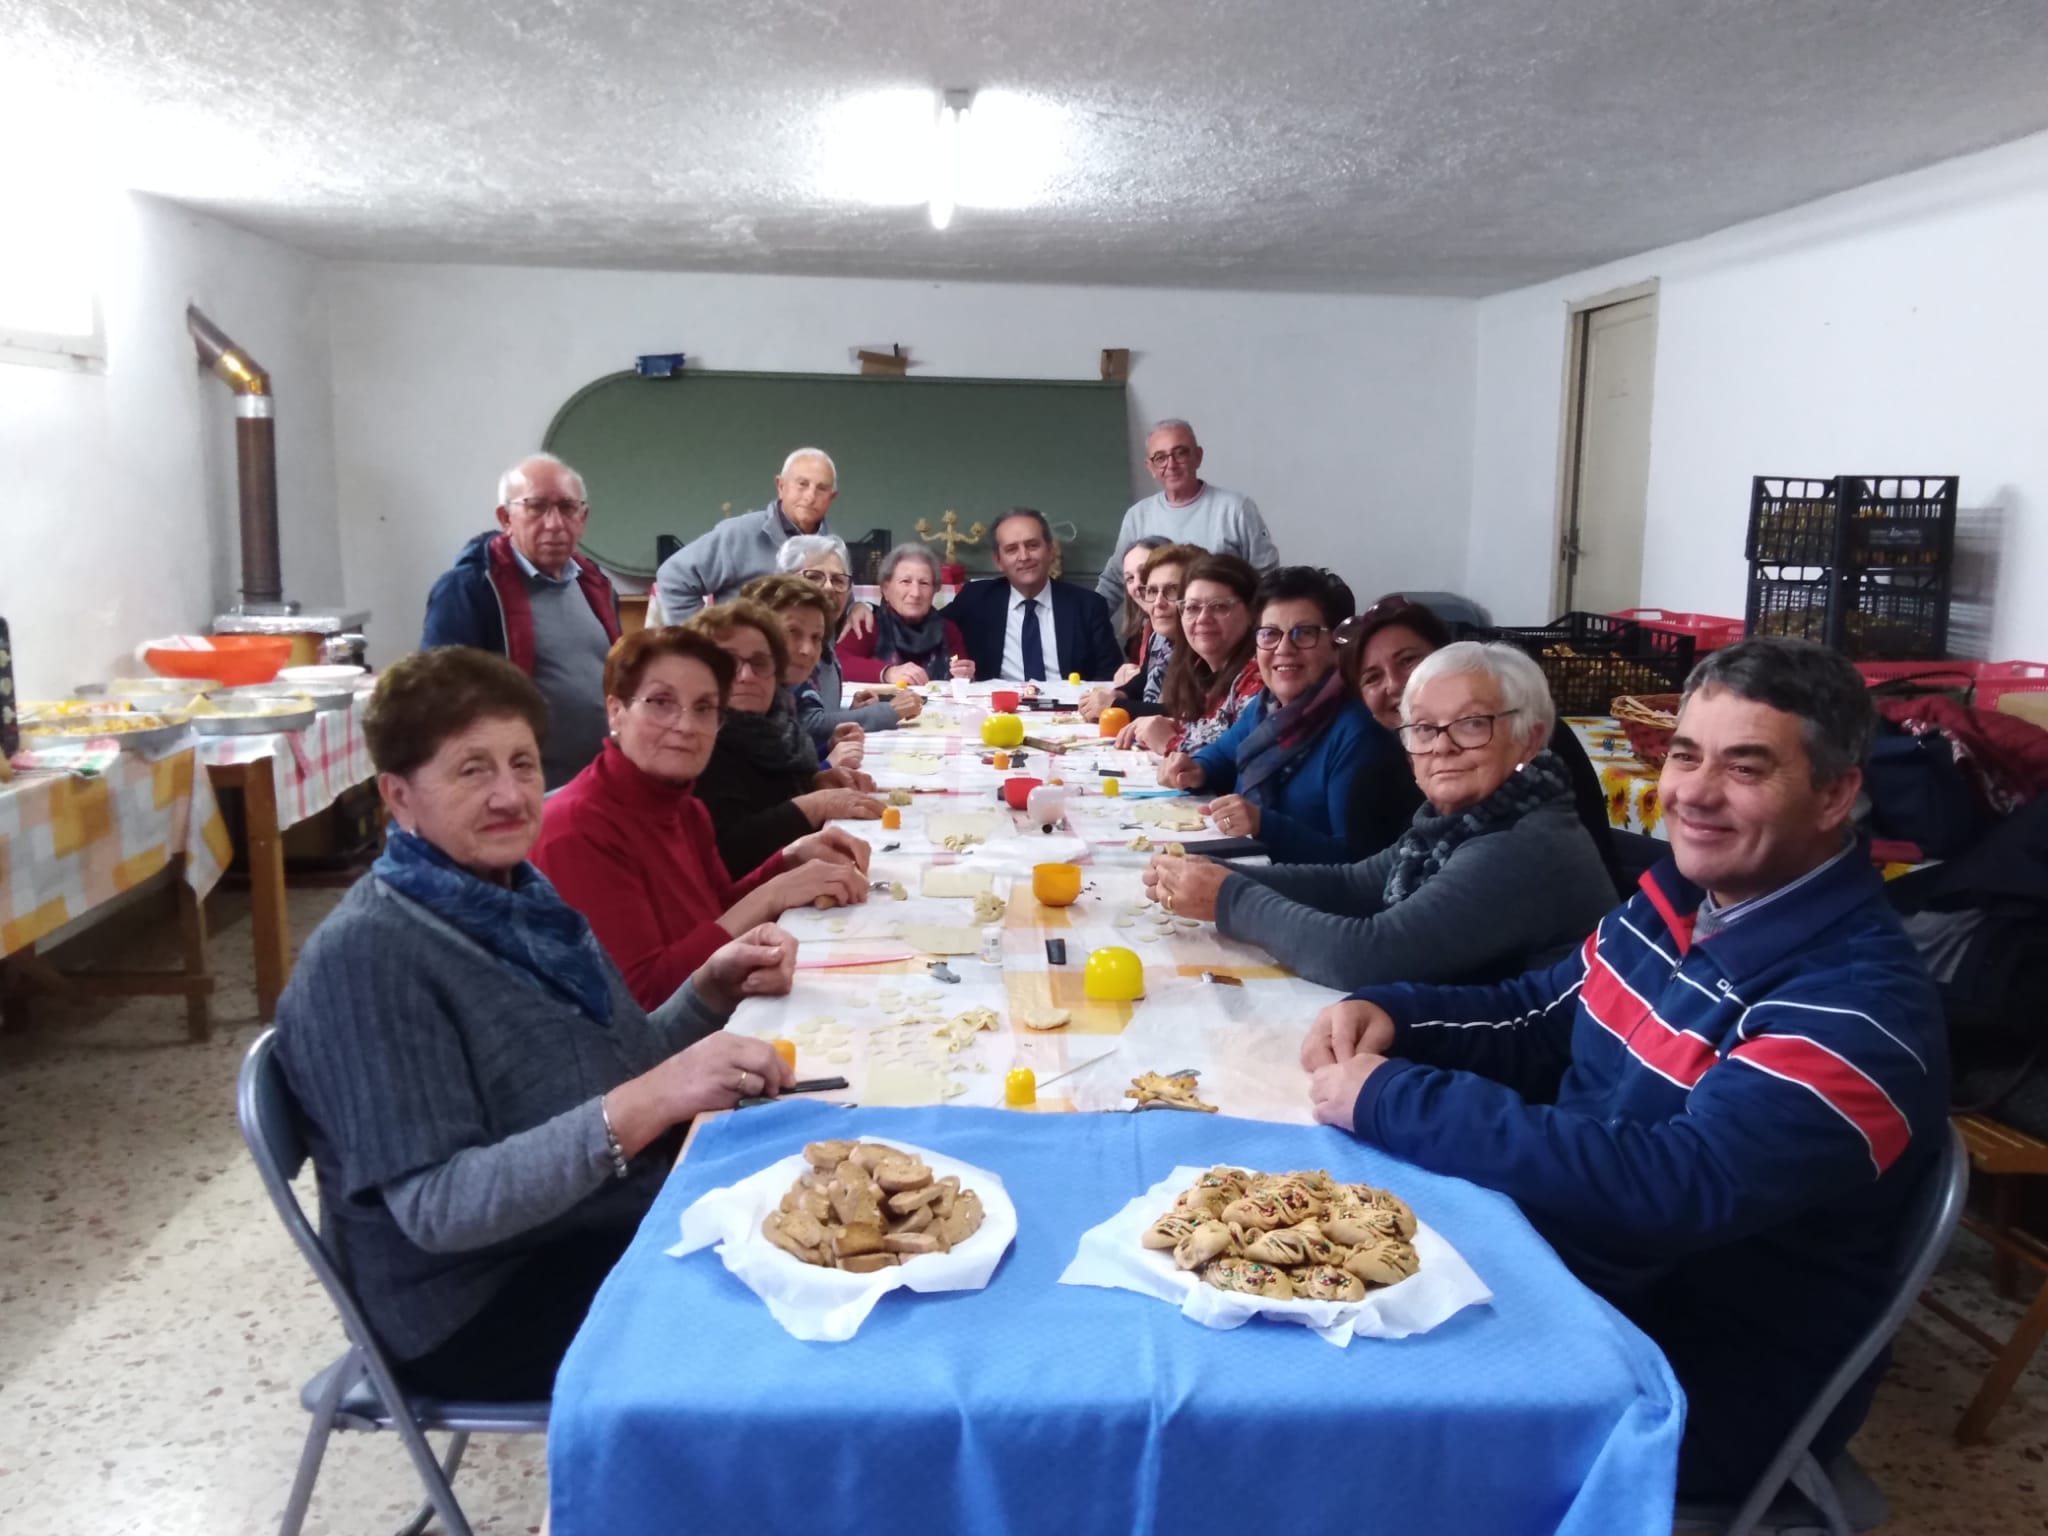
[823, 1234]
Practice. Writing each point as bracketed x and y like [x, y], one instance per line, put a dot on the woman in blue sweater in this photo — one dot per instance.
[1283, 772]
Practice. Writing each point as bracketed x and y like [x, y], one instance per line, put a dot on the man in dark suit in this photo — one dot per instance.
[1023, 625]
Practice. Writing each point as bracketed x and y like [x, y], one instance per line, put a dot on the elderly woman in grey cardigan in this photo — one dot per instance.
[1495, 875]
[820, 558]
[490, 1112]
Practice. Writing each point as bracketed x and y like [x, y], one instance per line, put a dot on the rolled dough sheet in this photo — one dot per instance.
[916, 763]
[957, 880]
[938, 939]
[1170, 815]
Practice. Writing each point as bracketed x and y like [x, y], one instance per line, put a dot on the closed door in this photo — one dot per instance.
[1602, 553]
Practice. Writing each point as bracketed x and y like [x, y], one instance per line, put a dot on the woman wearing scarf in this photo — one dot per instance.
[1284, 770]
[630, 846]
[1495, 876]
[490, 1112]
[763, 786]
[911, 642]
[1381, 648]
[820, 559]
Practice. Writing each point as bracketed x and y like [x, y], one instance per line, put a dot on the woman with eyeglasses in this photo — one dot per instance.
[1494, 876]
[1161, 579]
[1381, 649]
[1214, 674]
[820, 558]
[763, 785]
[1131, 630]
[629, 845]
[1283, 771]
[911, 641]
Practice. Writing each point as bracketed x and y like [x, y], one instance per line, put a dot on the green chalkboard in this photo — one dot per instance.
[667, 455]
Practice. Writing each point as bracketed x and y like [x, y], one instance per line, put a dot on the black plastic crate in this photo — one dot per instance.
[865, 556]
[1853, 522]
[1591, 659]
[1893, 616]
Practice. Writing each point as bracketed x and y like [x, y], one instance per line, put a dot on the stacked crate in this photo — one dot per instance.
[1861, 562]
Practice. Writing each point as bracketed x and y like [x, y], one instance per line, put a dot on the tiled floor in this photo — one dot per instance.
[155, 1325]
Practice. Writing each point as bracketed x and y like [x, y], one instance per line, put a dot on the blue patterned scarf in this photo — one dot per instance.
[527, 925]
[1284, 736]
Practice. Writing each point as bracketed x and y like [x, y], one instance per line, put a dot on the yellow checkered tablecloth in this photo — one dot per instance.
[865, 999]
[68, 844]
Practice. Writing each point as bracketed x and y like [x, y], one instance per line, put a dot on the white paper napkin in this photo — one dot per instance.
[829, 1305]
[1110, 1255]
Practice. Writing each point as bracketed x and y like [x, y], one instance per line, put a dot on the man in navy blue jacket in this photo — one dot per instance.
[1718, 1109]
[1026, 627]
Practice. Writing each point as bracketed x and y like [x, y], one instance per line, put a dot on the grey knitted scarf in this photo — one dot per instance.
[1429, 842]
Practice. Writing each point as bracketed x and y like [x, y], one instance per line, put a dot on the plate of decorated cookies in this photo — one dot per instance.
[1228, 1244]
[822, 1235]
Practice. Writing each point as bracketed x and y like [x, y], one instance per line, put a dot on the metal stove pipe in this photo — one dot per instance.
[255, 459]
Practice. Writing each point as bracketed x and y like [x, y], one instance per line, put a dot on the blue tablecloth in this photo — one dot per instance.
[1033, 1406]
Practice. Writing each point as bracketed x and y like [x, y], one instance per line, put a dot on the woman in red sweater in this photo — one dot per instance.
[628, 844]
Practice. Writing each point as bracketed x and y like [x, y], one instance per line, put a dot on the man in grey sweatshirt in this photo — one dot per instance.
[714, 566]
[1187, 510]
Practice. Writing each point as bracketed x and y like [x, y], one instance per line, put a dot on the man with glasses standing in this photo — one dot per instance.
[521, 593]
[1187, 510]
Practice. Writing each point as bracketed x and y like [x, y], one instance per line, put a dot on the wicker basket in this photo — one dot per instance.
[1647, 720]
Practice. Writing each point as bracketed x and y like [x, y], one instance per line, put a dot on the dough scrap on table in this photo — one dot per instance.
[1044, 1018]
[902, 797]
[988, 908]
[972, 826]
[915, 763]
[938, 939]
[957, 880]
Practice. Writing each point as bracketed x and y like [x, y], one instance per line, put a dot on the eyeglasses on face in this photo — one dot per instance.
[1466, 731]
[1303, 637]
[1180, 454]
[1166, 592]
[665, 709]
[838, 581]
[760, 663]
[1195, 608]
[538, 509]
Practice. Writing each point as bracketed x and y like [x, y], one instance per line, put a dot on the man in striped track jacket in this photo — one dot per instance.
[1716, 1110]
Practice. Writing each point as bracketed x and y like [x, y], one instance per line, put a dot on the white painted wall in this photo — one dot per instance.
[1898, 328]
[118, 519]
[1347, 418]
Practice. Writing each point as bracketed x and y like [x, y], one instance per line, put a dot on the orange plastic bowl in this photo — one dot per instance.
[235, 660]
[1056, 885]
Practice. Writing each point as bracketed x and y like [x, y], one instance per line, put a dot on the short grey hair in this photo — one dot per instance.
[811, 453]
[518, 472]
[1523, 687]
[801, 550]
[1837, 720]
[1170, 424]
[910, 551]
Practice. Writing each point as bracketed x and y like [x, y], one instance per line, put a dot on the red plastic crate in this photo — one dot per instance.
[1935, 674]
[1998, 678]
[1710, 632]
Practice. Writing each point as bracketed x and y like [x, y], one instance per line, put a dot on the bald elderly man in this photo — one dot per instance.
[714, 566]
[520, 592]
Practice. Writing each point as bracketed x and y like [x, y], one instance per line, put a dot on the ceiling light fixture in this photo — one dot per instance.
[949, 128]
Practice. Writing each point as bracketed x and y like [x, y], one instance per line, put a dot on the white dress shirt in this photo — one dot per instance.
[1013, 636]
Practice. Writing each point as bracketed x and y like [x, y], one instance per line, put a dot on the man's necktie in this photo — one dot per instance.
[1034, 644]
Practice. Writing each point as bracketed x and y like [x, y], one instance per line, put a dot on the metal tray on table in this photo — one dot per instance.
[245, 717]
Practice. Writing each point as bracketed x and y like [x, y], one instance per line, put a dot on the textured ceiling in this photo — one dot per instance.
[1447, 146]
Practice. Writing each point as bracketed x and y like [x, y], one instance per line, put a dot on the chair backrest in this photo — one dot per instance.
[1936, 1207]
[271, 1125]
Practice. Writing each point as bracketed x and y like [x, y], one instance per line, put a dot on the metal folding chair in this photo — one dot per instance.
[1797, 1493]
[359, 1390]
